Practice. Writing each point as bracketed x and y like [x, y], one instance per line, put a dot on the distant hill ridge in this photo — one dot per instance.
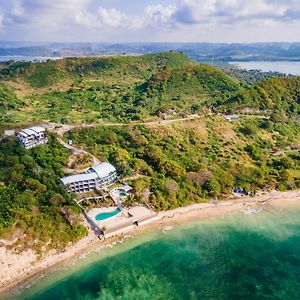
[198, 51]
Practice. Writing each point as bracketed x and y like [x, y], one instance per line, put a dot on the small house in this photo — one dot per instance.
[231, 118]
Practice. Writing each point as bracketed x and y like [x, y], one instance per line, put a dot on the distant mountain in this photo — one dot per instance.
[25, 51]
[197, 51]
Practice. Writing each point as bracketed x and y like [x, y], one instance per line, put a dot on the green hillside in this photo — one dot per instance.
[130, 88]
[188, 88]
[280, 95]
[8, 99]
[46, 74]
[112, 88]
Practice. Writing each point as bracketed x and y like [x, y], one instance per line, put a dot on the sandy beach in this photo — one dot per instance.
[17, 268]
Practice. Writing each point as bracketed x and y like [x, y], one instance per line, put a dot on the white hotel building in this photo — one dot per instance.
[32, 137]
[95, 177]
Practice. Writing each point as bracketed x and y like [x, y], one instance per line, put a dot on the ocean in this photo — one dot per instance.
[237, 256]
[285, 67]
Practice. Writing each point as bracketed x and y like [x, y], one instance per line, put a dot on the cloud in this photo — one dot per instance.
[55, 13]
[233, 11]
[159, 14]
[1, 20]
[152, 15]
[17, 9]
[112, 17]
[179, 19]
[45, 12]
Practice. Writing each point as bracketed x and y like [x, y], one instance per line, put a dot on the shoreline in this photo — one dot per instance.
[17, 269]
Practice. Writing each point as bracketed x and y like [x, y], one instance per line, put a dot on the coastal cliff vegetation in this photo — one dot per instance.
[34, 209]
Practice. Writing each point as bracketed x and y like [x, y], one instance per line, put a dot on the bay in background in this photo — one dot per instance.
[285, 67]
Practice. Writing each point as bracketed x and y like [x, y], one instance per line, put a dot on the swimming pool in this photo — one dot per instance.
[122, 194]
[107, 215]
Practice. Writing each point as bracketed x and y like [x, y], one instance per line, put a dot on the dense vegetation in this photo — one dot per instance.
[169, 165]
[9, 100]
[276, 95]
[192, 161]
[34, 208]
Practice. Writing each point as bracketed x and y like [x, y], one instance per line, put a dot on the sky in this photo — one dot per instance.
[150, 21]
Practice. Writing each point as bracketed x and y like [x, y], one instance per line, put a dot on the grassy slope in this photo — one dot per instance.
[277, 94]
[47, 74]
[186, 162]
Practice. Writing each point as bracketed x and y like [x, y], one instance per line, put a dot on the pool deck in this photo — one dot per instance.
[127, 220]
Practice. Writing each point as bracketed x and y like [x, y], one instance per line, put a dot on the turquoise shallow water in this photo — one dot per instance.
[235, 257]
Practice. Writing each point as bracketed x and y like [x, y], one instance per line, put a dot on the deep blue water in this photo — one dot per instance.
[236, 257]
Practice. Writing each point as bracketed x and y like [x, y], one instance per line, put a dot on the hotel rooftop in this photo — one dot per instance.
[94, 178]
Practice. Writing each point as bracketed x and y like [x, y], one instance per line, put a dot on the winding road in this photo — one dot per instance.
[77, 150]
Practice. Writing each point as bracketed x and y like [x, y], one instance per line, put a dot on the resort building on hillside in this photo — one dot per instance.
[32, 137]
[95, 177]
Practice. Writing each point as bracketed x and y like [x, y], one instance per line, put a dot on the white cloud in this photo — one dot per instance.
[152, 15]
[179, 20]
[17, 9]
[1, 20]
[232, 11]
[46, 12]
[159, 13]
[112, 17]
